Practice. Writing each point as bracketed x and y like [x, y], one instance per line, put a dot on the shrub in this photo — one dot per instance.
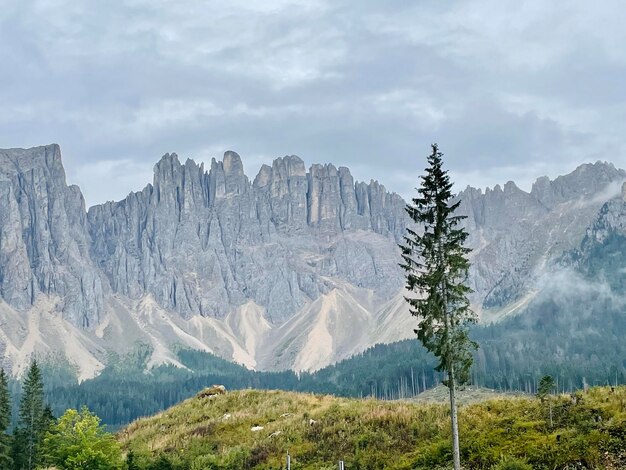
[512, 464]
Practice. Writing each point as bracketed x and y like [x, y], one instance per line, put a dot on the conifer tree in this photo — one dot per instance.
[5, 420]
[31, 417]
[130, 461]
[546, 387]
[17, 449]
[47, 418]
[437, 269]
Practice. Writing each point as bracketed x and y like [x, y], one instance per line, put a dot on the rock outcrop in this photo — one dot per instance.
[44, 240]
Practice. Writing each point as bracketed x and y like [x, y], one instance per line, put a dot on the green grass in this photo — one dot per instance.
[215, 433]
[464, 396]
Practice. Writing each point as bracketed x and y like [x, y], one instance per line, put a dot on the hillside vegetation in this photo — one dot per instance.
[255, 429]
[466, 395]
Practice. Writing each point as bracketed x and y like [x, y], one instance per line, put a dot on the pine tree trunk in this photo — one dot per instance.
[456, 453]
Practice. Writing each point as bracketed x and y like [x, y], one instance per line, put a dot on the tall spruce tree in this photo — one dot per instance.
[437, 269]
[5, 421]
[31, 417]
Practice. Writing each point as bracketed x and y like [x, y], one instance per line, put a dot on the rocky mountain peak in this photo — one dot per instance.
[511, 187]
[263, 177]
[232, 163]
[226, 177]
[44, 242]
[293, 164]
[39, 162]
[586, 180]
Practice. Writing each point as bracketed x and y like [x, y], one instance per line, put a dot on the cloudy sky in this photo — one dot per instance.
[510, 90]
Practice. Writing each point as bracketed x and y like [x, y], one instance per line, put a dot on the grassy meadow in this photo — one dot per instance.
[255, 429]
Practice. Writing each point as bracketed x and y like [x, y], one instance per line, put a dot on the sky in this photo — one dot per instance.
[509, 90]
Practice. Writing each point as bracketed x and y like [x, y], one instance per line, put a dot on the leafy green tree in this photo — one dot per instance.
[31, 417]
[78, 441]
[6, 461]
[437, 269]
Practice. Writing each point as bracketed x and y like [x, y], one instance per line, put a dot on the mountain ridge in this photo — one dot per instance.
[217, 261]
[176, 260]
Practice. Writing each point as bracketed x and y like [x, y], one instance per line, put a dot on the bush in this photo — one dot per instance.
[512, 464]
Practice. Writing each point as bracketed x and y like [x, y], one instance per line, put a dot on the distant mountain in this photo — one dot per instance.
[518, 237]
[294, 269]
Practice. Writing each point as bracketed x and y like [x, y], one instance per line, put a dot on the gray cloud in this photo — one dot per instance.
[510, 90]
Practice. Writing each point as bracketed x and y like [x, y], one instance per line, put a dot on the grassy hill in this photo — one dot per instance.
[465, 395]
[255, 429]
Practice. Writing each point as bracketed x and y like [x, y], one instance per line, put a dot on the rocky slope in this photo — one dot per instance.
[518, 236]
[295, 268]
[602, 253]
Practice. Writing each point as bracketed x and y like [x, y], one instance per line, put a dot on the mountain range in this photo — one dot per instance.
[295, 269]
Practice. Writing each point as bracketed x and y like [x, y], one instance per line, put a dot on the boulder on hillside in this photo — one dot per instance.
[211, 391]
